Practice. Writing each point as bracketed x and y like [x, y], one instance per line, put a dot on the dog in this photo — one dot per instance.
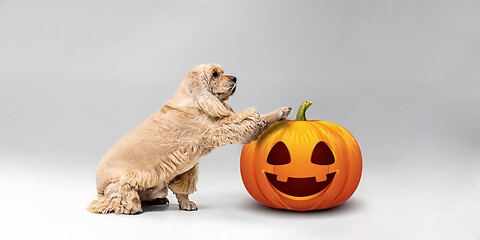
[163, 152]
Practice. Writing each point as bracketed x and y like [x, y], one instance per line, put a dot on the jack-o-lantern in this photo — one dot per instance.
[302, 165]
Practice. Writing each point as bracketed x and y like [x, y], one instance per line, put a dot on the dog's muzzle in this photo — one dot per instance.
[233, 84]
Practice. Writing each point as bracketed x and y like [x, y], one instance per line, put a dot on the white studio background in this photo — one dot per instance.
[402, 76]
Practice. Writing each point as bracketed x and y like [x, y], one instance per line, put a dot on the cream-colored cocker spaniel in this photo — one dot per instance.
[163, 152]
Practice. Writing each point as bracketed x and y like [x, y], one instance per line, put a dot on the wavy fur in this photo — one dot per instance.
[163, 152]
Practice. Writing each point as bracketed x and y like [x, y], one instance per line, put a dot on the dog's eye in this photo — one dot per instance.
[215, 74]
[279, 154]
[322, 155]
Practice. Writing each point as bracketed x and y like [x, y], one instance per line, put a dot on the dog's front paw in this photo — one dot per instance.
[284, 113]
[277, 115]
[187, 206]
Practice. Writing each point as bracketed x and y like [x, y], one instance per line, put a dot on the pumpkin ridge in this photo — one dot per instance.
[320, 132]
[348, 168]
[256, 179]
[347, 172]
[277, 139]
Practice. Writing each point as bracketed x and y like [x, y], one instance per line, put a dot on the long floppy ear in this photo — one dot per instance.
[212, 106]
[208, 103]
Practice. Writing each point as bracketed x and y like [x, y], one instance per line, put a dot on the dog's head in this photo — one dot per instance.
[210, 88]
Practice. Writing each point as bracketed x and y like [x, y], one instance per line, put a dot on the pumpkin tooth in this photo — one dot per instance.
[282, 178]
[320, 178]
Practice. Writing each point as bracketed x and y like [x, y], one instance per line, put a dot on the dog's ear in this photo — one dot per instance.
[205, 100]
[210, 105]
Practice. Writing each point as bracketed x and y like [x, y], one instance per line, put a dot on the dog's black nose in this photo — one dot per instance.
[233, 79]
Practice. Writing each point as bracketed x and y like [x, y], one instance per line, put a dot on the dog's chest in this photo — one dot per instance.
[188, 167]
[192, 161]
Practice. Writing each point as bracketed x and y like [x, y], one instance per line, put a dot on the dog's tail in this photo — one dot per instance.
[119, 202]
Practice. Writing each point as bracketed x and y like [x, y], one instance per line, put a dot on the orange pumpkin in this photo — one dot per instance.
[302, 165]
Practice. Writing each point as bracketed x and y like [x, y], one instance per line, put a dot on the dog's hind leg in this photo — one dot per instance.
[154, 196]
[117, 198]
[184, 185]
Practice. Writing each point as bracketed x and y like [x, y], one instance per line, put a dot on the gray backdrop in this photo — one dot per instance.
[402, 76]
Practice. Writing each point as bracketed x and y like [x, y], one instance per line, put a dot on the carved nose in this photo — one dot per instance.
[233, 79]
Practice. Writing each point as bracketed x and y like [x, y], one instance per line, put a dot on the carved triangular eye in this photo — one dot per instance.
[279, 154]
[322, 155]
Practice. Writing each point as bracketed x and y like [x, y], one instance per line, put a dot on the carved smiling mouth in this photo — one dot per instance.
[299, 187]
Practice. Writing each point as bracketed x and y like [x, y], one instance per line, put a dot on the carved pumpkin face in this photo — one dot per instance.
[302, 165]
[299, 179]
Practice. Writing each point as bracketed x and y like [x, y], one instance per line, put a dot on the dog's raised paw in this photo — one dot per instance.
[188, 206]
[284, 113]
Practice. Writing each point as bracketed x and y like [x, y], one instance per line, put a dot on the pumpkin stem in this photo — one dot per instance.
[302, 109]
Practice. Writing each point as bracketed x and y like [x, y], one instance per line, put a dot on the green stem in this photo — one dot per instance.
[302, 109]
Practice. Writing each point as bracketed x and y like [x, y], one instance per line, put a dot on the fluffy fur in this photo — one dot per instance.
[163, 152]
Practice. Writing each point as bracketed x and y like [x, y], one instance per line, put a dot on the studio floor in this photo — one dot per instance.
[412, 202]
